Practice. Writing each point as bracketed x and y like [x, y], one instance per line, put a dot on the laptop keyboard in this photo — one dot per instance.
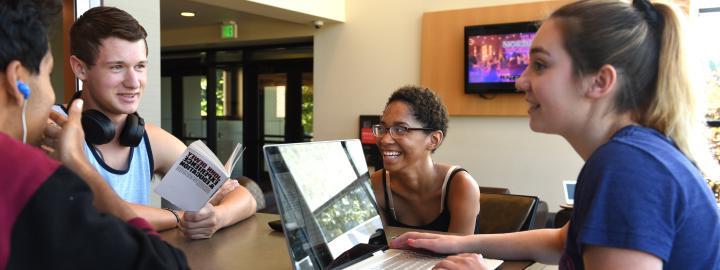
[406, 259]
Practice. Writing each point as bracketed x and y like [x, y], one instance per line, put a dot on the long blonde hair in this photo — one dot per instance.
[645, 45]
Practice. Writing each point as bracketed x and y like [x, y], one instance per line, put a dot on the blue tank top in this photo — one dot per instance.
[133, 183]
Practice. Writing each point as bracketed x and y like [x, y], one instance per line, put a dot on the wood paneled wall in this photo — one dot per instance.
[442, 56]
[68, 18]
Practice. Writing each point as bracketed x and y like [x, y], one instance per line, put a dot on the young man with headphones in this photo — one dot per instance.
[50, 213]
[109, 55]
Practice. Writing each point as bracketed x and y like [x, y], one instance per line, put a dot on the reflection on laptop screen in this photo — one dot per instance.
[325, 199]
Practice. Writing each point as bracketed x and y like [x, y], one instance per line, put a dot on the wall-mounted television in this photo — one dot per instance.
[496, 55]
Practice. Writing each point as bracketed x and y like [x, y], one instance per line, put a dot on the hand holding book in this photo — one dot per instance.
[196, 176]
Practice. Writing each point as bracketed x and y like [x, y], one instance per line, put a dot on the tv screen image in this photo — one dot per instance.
[496, 55]
[498, 58]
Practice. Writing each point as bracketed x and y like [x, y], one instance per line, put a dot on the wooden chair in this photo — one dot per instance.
[495, 190]
[503, 213]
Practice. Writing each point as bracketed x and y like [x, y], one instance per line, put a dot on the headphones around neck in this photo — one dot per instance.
[100, 130]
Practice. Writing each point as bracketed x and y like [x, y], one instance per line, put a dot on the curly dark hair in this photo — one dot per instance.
[426, 106]
[24, 29]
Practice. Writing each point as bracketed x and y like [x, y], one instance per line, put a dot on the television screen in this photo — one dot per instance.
[496, 55]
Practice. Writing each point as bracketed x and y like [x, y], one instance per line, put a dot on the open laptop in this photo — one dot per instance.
[328, 210]
[569, 190]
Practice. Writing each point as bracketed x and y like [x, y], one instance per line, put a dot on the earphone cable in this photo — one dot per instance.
[24, 123]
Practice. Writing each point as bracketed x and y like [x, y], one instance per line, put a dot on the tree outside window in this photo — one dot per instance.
[705, 26]
[219, 92]
[307, 110]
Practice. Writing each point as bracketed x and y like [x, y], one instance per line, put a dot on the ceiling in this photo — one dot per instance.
[205, 15]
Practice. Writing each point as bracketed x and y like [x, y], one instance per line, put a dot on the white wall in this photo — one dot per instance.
[302, 12]
[359, 63]
[330, 9]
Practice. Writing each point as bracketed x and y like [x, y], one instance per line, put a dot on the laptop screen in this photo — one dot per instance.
[325, 199]
[569, 189]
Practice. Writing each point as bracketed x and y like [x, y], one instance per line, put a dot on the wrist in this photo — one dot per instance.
[221, 215]
[471, 244]
[175, 215]
[77, 165]
[74, 161]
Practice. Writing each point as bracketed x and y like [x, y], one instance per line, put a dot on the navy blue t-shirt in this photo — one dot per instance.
[638, 191]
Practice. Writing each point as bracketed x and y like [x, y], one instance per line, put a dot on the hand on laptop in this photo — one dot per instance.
[443, 244]
[463, 261]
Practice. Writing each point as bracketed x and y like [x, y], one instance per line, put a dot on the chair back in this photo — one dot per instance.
[503, 213]
[495, 190]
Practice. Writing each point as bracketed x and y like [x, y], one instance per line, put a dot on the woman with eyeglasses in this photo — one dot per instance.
[413, 190]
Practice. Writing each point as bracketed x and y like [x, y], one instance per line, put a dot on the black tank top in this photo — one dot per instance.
[440, 223]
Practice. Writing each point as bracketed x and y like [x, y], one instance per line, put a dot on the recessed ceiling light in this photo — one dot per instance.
[187, 14]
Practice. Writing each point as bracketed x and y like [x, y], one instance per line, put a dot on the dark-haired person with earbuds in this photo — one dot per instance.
[53, 215]
[109, 55]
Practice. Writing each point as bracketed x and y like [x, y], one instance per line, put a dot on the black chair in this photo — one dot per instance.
[495, 190]
[542, 214]
[562, 217]
[504, 213]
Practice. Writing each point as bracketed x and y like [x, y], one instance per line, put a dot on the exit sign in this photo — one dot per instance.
[228, 30]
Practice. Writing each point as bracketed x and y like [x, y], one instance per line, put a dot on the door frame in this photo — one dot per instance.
[253, 109]
[253, 118]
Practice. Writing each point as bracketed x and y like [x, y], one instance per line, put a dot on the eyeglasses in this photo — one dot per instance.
[395, 131]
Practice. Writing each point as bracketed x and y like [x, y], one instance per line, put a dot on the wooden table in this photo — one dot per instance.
[251, 244]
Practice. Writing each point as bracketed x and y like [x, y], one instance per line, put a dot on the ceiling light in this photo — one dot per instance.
[187, 14]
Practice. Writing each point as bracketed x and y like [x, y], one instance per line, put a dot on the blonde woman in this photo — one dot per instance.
[608, 77]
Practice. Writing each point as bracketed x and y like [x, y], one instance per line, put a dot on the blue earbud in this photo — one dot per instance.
[24, 89]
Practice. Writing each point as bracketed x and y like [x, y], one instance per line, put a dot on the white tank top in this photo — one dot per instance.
[133, 183]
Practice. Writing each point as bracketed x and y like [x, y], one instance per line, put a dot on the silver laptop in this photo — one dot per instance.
[328, 210]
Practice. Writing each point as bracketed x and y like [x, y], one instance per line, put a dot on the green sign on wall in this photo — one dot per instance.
[228, 30]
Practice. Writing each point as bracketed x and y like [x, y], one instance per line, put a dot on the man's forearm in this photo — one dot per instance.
[236, 206]
[161, 219]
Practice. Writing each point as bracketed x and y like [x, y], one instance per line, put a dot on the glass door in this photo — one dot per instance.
[256, 96]
[273, 88]
[192, 114]
[306, 106]
[284, 106]
[229, 111]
